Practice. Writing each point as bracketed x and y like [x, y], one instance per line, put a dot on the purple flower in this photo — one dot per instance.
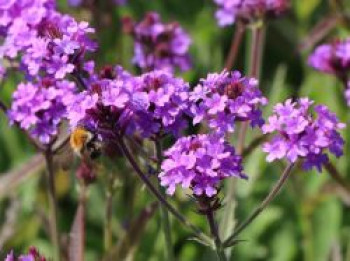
[158, 45]
[39, 107]
[10, 256]
[347, 94]
[44, 40]
[248, 10]
[108, 105]
[199, 162]
[333, 58]
[166, 100]
[300, 134]
[33, 254]
[76, 3]
[224, 98]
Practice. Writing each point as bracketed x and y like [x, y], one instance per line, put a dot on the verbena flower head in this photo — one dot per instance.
[224, 98]
[303, 134]
[248, 11]
[158, 45]
[80, 2]
[167, 104]
[33, 255]
[347, 94]
[107, 105]
[333, 58]
[199, 162]
[39, 108]
[45, 40]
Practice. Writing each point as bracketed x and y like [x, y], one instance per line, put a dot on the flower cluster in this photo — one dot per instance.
[107, 104]
[166, 101]
[158, 45]
[303, 135]
[199, 162]
[347, 94]
[248, 10]
[333, 58]
[80, 2]
[224, 98]
[46, 40]
[39, 107]
[33, 255]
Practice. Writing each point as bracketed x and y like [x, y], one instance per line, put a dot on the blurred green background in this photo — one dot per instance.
[309, 220]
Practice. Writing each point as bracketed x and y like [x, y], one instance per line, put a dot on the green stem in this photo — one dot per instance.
[256, 44]
[163, 210]
[108, 220]
[235, 44]
[199, 234]
[55, 237]
[273, 193]
[215, 233]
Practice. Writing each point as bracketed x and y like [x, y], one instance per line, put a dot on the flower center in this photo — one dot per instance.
[234, 90]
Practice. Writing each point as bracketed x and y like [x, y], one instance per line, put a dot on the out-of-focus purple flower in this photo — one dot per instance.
[200, 162]
[108, 104]
[347, 94]
[76, 3]
[166, 100]
[301, 134]
[224, 98]
[158, 45]
[33, 255]
[39, 107]
[44, 40]
[248, 10]
[9, 256]
[333, 58]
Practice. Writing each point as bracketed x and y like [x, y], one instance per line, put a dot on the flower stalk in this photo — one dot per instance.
[198, 233]
[54, 232]
[273, 193]
[235, 44]
[164, 212]
[215, 233]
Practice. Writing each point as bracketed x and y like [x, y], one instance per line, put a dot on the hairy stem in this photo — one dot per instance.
[55, 237]
[215, 233]
[235, 44]
[159, 196]
[255, 50]
[108, 236]
[273, 193]
[163, 209]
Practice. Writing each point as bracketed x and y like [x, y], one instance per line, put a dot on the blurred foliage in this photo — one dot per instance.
[309, 220]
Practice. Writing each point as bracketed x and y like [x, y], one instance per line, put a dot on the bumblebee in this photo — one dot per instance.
[85, 143]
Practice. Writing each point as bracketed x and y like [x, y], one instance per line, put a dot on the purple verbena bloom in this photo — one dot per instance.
[166, 100]
[158, 45]
[347, 94]
[32, 255]
[248, 11]
[332, 58]
[108, 104]
[76, 3]
[300, 134]
[44, 40]
[224, 98]
[39, 108]
[9, 256]
[200, 162]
